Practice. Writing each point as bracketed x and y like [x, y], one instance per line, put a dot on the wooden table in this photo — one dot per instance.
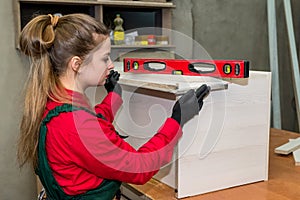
[283, 183]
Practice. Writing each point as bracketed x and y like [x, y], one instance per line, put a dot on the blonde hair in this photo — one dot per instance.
[50, 42]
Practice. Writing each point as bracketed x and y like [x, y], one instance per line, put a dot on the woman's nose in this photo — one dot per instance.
[111, 66]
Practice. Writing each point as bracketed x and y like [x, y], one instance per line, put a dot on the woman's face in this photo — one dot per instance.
[95, 72]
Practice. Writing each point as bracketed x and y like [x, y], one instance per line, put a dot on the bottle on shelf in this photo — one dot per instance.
[119, 34]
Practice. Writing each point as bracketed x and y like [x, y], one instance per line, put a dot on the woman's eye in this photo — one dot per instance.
[105, 59]
[108, 60]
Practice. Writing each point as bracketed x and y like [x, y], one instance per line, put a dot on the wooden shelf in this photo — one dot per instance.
[137, 4]
[142, 46]
[157, 51]
[65, 2]
[97, 9]
[106, 2]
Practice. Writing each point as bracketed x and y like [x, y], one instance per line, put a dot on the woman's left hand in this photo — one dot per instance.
[111, 84]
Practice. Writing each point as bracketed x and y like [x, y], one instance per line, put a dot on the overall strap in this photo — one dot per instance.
[105, 191]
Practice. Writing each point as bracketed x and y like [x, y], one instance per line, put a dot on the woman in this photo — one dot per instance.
[72, 146]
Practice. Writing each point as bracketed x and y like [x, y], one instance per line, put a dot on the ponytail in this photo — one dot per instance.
[36, 38]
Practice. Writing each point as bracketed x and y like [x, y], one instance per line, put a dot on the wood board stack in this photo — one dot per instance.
[293, 146]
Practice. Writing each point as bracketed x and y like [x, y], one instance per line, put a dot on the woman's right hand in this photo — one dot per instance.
[189, 105]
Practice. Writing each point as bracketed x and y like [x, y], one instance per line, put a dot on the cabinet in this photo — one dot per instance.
[103, 10]
[226, 145]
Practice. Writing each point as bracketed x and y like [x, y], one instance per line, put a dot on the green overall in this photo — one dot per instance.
[106, 190]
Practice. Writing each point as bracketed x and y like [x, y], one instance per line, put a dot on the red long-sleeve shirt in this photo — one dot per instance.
[82, 150]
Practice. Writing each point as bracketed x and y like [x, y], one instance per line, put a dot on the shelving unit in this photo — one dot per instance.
[24, 9]
[105, 2]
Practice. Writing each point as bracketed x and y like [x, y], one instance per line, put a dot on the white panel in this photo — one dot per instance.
[168, 174]
[141, 116]
[221, 170]
[296, 155]
[288, 147]
[236, 152]
[224, 146]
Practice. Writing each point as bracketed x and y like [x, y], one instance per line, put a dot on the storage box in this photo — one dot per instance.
[226, 145]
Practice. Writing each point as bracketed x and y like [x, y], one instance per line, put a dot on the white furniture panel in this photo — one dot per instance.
[226, 145]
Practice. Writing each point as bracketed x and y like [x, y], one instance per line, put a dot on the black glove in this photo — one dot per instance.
[189, 105]
[111, 84]
[201, 93]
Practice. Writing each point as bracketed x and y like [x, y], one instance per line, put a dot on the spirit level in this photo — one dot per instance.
[214, 68]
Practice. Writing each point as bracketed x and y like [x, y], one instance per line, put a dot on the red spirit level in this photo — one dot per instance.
[215, 68]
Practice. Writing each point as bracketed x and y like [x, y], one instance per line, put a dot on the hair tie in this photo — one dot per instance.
[54, 20]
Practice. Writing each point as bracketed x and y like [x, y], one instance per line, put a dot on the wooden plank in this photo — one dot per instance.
[214, 86]
[65, 2]
[293, 51]
[130, 192]
[169, 83]
[137, 4]
[154, 190]
[105, 2]
[296, 155]
[99, 13]
[17, 22]
[167, 20]
[143, 46]
[149, 85]
[140, 52]
[153, 0]
[288, 147]
[273, 51]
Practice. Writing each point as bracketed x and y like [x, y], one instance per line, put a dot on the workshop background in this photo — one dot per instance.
[227, 29]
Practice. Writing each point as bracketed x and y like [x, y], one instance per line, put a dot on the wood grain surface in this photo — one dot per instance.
[283, 183]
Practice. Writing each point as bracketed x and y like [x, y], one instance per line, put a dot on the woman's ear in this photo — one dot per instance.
[75, 63]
